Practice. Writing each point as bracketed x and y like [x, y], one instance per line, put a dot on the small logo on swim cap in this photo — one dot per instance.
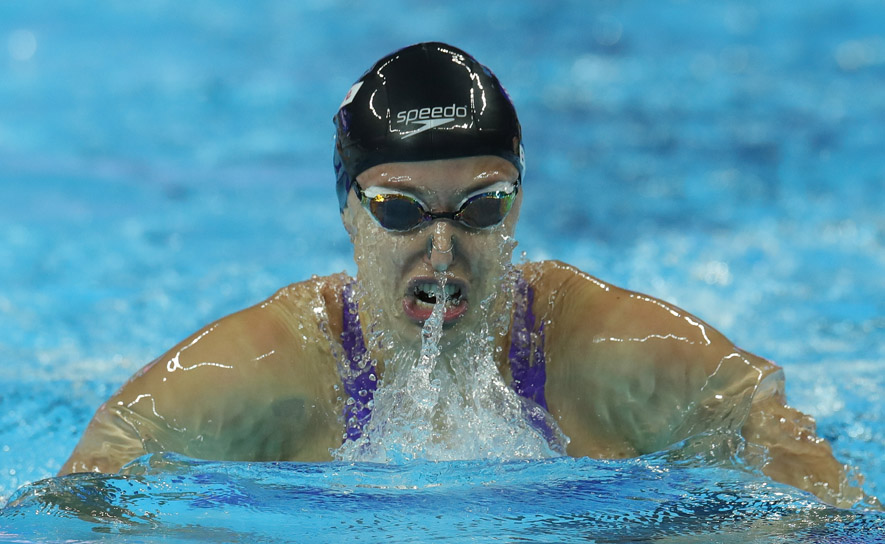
[351, 94]
[428, 118]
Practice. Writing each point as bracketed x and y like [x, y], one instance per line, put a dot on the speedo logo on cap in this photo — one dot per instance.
[428, 118]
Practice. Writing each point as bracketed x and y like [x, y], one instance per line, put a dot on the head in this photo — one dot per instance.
[429, 165]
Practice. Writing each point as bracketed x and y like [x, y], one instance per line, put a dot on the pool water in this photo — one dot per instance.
[163, 164]
[168, 498]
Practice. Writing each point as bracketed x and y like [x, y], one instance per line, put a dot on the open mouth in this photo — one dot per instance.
[421, 296]
[428, 292]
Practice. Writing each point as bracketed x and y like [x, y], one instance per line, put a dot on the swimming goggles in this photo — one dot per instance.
[395, 210]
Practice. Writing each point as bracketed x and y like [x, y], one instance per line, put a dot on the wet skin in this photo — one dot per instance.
[471, 259]
[627, 374]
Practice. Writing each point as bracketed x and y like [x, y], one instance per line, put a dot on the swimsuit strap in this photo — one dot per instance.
[527, 363]
[358, 376]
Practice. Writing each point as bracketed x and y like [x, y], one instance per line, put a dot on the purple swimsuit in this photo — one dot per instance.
[527, 364]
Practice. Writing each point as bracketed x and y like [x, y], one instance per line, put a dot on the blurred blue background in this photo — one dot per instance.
[165, 163]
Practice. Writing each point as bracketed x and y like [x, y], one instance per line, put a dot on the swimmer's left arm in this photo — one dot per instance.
[629, 374]
[794, 454]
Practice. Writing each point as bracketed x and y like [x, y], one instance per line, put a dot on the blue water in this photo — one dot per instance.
[163, 164]
[560, 500]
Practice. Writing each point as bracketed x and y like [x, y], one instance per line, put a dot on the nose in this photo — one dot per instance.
[441, 246]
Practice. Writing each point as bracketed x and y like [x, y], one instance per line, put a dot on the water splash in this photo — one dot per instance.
[426, 390]
[440, 395]
[436, 405]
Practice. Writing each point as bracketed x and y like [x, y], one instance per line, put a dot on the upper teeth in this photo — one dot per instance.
[432, 289]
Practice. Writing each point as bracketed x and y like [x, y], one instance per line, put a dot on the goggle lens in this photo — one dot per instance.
[396, 212]
[402, 212]
[486, 210]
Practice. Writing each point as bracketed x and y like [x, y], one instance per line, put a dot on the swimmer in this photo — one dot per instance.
[430, 175]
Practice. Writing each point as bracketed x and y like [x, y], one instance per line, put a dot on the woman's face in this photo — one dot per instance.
[398, 271]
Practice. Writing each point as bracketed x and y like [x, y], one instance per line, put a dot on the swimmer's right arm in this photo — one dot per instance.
[252, 386]
[107, 445]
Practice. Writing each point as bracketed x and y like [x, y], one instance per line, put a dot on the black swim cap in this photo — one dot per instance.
[424, 102]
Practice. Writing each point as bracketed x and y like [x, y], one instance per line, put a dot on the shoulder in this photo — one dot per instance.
[564, 282]
[590, 309]
[317, 292]
[279, 341]
[553, 275]
[297, 311]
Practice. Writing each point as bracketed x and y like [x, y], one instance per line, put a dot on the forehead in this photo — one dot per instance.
[460, 173]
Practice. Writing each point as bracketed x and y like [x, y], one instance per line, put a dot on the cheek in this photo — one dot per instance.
[491, 245]
[377, 251]
[489, 254]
